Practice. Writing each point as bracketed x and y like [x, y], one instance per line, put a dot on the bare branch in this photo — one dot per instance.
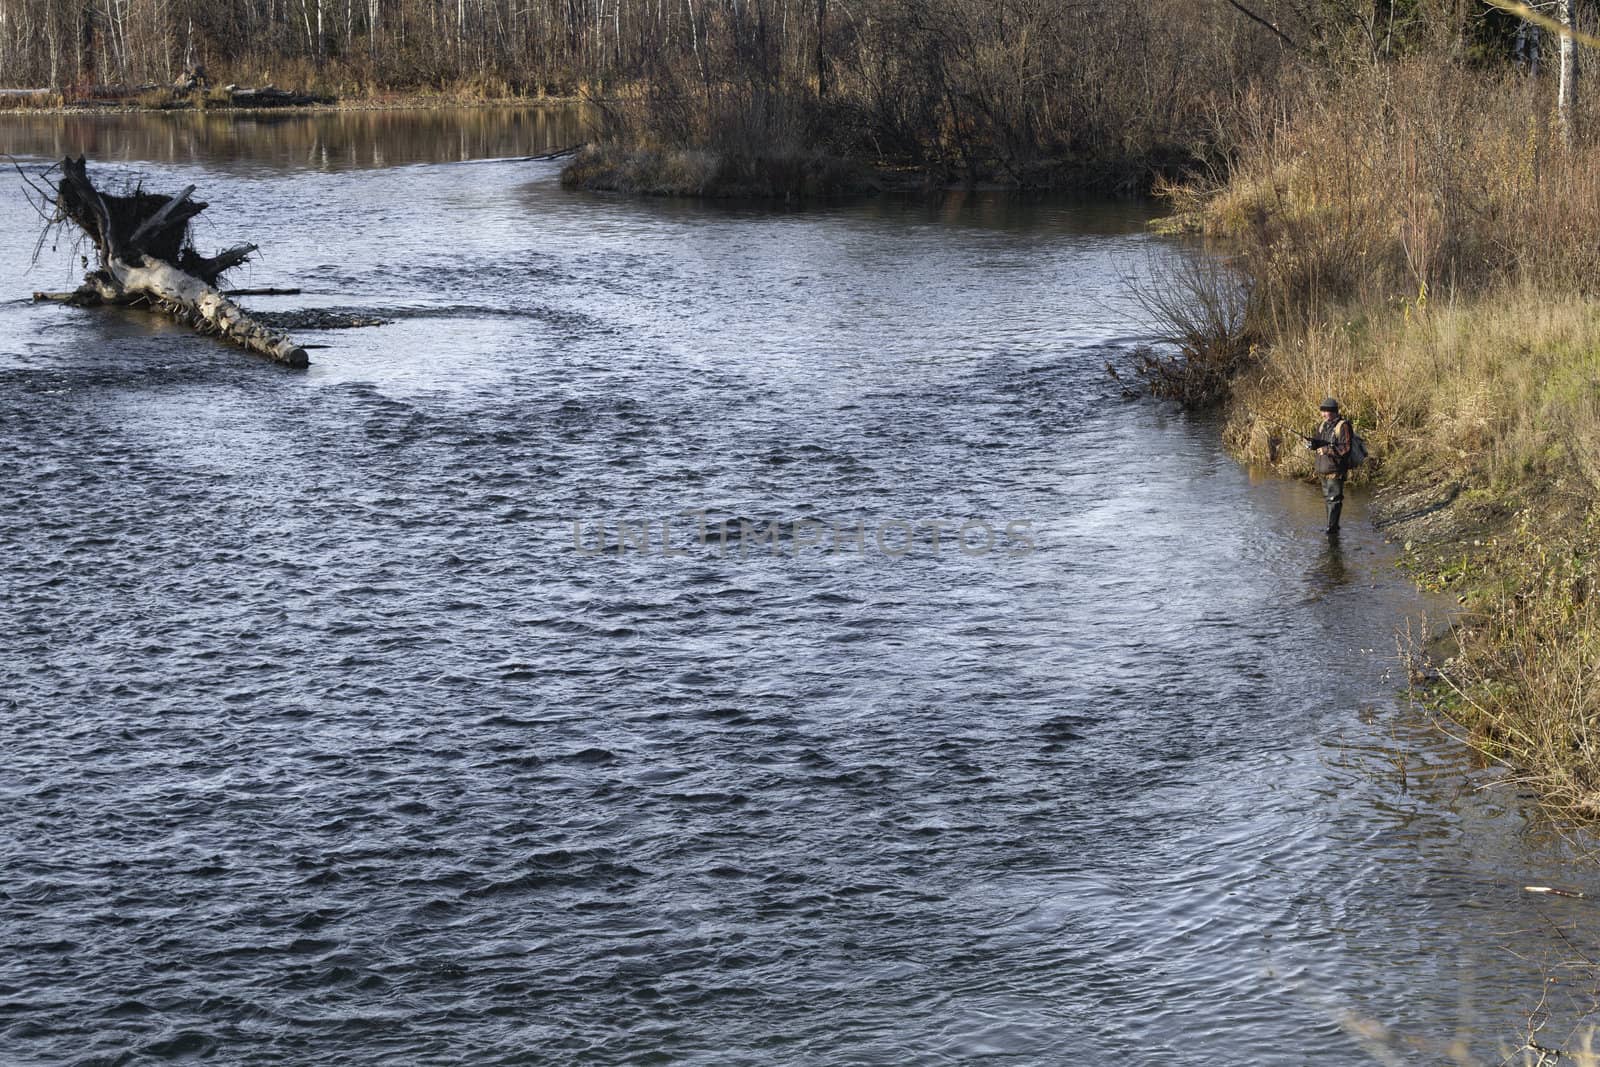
[1259, 20]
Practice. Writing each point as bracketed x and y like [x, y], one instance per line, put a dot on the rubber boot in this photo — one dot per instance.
[1333, 494]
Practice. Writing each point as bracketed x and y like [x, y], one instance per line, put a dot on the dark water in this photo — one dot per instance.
[325, 741]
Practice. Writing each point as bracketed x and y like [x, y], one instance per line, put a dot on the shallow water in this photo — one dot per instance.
[329, 737]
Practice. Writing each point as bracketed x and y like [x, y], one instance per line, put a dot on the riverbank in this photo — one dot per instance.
[1483, 414]
[784, 176]
[787, 174]
[1443, 299]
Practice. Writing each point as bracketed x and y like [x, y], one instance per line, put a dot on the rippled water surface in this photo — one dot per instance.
[330, 737]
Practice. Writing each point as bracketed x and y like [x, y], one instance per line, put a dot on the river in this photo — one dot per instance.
[338, 727]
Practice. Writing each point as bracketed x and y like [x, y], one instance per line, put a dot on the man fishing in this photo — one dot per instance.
[1331, 442]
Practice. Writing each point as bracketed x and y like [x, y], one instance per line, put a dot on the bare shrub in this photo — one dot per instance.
[1200, 306]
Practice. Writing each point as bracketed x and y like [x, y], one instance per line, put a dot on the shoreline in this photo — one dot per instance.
[409, 102]
[787, 175]
[1498, 518]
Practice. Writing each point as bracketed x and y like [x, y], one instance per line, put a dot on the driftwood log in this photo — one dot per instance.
[146, 258]
[269, 96]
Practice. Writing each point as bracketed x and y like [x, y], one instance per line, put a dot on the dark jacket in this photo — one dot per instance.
[1332, 459]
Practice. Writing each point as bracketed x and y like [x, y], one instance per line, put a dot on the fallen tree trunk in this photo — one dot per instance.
[146, 258]
[268, 96]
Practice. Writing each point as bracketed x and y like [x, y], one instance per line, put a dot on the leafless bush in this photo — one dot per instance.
[1200, 305]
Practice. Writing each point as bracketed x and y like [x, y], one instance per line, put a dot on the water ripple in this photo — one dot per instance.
[324, 741]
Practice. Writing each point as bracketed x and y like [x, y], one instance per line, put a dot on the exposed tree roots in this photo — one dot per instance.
[146, 258]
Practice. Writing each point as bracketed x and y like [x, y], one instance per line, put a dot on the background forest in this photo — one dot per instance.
[1103, 91]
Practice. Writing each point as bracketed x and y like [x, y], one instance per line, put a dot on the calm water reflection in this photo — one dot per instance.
[297, 140]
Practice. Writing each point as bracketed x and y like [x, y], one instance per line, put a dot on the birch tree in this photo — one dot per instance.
[1566, 92]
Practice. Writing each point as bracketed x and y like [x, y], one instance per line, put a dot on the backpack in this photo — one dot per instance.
[1358, 448]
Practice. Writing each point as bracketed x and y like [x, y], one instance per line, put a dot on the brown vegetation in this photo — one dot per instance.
[1030, 93]
[1200, 306]
[1098, 93]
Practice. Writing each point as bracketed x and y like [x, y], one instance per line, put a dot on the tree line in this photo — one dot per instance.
[970, 86]
[533, 45]
[559, 44]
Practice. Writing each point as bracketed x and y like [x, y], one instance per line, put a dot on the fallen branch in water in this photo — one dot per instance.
[560, 153]
[147, 259]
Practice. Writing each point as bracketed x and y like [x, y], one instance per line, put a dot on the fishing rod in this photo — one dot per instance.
[1274, 422]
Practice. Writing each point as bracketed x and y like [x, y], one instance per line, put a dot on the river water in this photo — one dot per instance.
[338, 727]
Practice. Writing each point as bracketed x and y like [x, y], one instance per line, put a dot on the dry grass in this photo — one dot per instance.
[703, 173]
[1500, 388]
[1528, 684]
[1411, 181]
[163, 99]
[676, 172]
[30, 101]
[1501, 395]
